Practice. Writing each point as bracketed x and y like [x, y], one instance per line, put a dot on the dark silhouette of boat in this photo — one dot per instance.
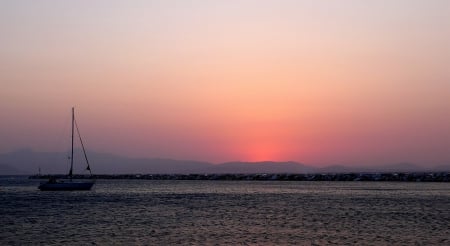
[61, 185]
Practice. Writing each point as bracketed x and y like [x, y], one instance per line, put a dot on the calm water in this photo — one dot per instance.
[140, 212]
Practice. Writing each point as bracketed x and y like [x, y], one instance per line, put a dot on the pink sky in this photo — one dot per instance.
[319, 82]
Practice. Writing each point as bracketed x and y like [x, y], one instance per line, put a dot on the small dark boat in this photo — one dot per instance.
[60, 185]
[66, 185]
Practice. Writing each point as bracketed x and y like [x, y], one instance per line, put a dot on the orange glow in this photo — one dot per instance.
[217, 81]
[263, 152]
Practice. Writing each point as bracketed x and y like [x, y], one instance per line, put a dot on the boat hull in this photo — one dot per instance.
[62, 186]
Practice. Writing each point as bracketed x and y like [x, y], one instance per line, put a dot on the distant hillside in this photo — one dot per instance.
[59, 163]
[101, 163]
[442, 168]
[8, 170]
[261, 167]
[343, 169]
[28, 162]
[396, 167]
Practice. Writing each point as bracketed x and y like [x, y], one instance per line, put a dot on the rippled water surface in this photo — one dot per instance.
[226, 212]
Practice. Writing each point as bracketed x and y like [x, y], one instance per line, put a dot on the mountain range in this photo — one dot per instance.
[26, 161]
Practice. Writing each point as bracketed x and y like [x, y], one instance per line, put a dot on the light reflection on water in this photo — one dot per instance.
[226, 212]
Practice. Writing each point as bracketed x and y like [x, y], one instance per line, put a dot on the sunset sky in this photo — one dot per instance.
[318, 82]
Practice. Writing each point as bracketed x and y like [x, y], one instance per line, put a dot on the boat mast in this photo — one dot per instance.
[71, 156]
[84, 150]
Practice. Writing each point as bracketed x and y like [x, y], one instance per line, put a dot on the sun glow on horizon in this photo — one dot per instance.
[313, 82]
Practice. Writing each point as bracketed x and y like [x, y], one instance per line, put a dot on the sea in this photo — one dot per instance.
[176, 212]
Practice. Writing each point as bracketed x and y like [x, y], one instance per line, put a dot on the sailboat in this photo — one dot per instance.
[70, 184]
